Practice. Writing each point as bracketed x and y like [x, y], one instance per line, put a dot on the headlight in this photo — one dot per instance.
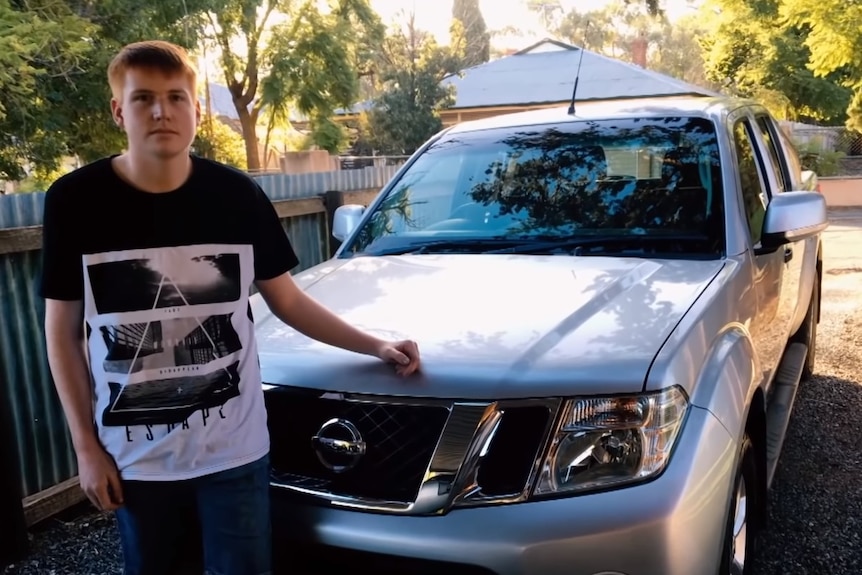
[605, 441]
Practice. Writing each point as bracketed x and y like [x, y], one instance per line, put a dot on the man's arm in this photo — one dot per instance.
[64, 340]
[297, 309]
[65, 346]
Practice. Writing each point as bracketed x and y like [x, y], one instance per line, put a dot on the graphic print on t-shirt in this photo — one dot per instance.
[165, 322]
[157, 283]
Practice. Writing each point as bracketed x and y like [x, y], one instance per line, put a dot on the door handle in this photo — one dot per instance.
[788, 254]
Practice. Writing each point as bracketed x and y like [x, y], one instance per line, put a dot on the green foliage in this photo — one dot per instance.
[754, 50]
[672, 48]
[595, 30]
[54, 97]
[823, 163]
[833, 39]
[473, 38]
[412, 67]
[218, 141]
[42, 48]
[40, 180]
[326, 134]
[309, 60]
[854, 112]
[835, 44]
[553, 16]
[654, 7]
[800, 58]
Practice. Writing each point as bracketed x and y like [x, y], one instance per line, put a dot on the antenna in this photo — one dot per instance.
[571, 111]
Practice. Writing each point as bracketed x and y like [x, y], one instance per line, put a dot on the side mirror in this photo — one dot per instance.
[345, 219]
[792, 217]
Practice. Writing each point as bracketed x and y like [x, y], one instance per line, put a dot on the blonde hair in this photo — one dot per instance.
[154, 55]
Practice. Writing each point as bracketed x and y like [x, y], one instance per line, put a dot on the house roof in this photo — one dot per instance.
[221, 103]
[544, 73]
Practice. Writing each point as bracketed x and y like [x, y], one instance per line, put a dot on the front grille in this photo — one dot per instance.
[400, 442]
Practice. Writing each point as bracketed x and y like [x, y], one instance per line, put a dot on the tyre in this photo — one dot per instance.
[742, 519]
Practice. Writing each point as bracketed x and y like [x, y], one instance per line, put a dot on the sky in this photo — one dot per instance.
[435, 15]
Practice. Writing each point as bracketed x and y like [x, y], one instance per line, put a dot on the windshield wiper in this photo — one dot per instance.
[582, 245]
[465, 245]
[664, 243]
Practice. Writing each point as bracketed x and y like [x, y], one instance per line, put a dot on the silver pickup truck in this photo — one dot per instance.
[615, 308]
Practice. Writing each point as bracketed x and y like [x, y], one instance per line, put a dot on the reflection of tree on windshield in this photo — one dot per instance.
[396, 206]
[558, 182]
[546, 180]
[635, 177]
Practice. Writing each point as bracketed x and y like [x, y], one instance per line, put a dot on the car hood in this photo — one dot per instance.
[489, 327]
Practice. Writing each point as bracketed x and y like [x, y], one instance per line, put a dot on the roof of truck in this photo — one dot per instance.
[607, 109]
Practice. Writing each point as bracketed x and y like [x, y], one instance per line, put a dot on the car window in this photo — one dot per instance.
[773, 161]
[754, 198]
[632, 176]
[794, 164]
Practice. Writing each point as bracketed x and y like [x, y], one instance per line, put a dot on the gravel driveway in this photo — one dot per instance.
[815, 511]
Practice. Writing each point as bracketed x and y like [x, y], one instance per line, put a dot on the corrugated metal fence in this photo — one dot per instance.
[45, 452]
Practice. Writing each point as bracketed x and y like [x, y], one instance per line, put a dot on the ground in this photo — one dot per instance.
[815, 508]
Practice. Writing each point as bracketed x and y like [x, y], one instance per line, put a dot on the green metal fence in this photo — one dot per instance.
[45, 455]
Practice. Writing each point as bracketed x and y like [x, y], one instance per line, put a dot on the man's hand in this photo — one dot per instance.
[298, 310]
[404, 354]
[97, 471]
[100, 479]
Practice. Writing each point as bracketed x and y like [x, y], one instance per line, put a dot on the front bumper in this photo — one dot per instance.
[672, 525]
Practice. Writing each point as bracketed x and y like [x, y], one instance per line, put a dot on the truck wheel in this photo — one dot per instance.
[807, 333]
[741, 531]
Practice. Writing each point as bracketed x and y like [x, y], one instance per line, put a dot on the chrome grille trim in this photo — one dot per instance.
[451, 476]
[471, 494]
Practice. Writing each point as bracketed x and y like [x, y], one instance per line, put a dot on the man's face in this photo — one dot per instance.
[158, 112]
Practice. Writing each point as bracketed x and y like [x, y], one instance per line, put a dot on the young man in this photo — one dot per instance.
[154, 252]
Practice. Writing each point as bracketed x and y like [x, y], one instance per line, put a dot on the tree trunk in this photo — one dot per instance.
[248, 121]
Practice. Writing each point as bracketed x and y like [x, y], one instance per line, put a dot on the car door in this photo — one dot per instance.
[794, 253]
[768, 326]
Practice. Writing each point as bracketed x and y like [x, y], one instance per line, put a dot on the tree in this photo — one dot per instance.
[92, 133]
[473, 38]
[678, 51]
[753, 51]
[292, 54]
[53, 84]
[613, 30]
[593, 30]
[834, 43]
[411, 68]
[41, 48]
[551, 11]
[218, 141]
[556, 182]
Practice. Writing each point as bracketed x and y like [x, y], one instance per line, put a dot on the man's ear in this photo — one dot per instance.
[117, 112]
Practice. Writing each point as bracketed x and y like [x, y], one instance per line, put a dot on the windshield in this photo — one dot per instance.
[635, 181]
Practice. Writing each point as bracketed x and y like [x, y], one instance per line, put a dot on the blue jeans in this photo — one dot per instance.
[217, 524]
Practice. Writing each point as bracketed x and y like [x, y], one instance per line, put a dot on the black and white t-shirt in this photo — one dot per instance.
[165, 280]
